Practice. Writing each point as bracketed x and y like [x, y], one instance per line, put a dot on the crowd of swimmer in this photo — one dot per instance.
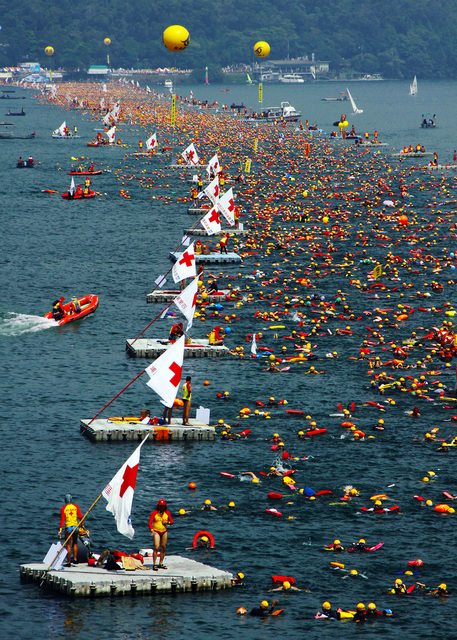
[315, 216]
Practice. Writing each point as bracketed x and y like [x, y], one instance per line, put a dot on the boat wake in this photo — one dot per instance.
[16, 324]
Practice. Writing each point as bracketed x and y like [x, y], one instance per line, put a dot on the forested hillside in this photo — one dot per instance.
[397, 38]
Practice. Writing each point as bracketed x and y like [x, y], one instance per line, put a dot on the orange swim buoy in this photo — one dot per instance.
[203, 533]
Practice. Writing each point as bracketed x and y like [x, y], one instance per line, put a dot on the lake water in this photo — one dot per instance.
[52, 377]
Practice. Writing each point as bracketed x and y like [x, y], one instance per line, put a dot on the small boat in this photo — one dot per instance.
[5, 96]
[285, 112]
[354, 106]
[19, 113]
[25, 164]
[86, 173]
[63, 133]
[87, 304]
[78, 196]
[343, 98]
[4, 135]
[428, 123]
[291, 78]
[413, 87]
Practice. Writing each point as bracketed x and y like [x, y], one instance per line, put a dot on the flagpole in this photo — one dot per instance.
[70, 536]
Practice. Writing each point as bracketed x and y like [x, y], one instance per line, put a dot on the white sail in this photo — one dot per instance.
[353, 104]
[111, 133]
[413, 87]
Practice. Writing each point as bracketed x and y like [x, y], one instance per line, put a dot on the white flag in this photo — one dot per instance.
[254, 345]
[214, 165]
[187, 300]
[72, 187]
[190, 154]
[226, 206]
[211, 222]
[184, 267]
[212, 190]
[151, 143]
[111, 133]
[119, 493]
[165, 372]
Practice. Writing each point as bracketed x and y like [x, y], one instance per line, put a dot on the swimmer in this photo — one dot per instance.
[262, 611]
[208, 506]
[399, 587]
[336, 546]
[237, 581]
[251, 474]
[286, 586]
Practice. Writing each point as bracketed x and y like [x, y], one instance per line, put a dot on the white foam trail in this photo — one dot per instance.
[16, 324]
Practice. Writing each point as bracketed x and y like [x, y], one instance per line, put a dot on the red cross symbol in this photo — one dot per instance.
[128, 479]
[194, 301]
[187, 259]
[231, 205]
[216, 189]
[214, 216]
[176, 370]
[190, 154]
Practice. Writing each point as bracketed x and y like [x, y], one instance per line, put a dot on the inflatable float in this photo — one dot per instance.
[87, 304]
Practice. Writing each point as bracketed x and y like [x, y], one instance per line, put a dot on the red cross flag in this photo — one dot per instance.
[184, 267]
[214, 165]
[119, 493]
[187, 300]
[165, 372]
[212, 190]
[211, 222]
[151, 143]
[190, 154]
[226, 206]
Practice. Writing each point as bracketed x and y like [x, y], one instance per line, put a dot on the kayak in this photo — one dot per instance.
[80, 196]
[88, 305]
[85, 173]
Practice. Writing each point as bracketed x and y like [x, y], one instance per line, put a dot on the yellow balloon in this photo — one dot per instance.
[261, 49]
[49, 51]
[325, 220]
[176, 38]
[107, 41]
[345, 123]
[305, 194]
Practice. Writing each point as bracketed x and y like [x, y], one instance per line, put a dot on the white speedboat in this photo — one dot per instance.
[291, 78]
[285, 112]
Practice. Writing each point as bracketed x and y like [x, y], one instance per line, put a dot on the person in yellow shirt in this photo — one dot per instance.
[158, 522]
[186, 398]
[70, 516]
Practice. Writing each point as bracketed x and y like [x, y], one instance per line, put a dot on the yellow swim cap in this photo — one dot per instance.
[398, 581]
[372, 606]
[231, 504]
[442, 586]
[286, 584]
[264, 604]
[221, 422]
[207, 501]
[240, 575]
[204, 538]
[337, 542]
[326, 606]
[378, 503]
[354, 572]
[361, 541]
[182, 512]
[360, 606]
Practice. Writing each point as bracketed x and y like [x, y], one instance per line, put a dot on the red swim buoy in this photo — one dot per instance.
[203, 533]
[285, 455]
[227, 475]
[315, 432]
[282, 579]
[274, 512]
[275, 496]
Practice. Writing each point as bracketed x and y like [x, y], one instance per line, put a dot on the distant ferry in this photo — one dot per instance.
[291, 78]
[285, 112]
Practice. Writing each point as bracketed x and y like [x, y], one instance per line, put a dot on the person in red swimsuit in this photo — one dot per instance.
[70, 515]
[158, 522]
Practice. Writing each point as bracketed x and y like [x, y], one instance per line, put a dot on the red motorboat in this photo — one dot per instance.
[78, 196]
[85, 173]
[86, 304]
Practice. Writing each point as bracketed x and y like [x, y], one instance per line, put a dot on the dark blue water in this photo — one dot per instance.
[51, 377]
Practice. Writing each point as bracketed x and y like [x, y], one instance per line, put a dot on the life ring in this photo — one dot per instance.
[397, 259]
[336, 228]
[203, 533]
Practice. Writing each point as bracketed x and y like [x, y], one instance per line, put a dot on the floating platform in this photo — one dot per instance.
[196, 211]
[440, 167]
[169, 296]
[230, 256]
[109, 430]
[222, 232]
[188, 166]
[152, 348]
[83, 581]
[411, 154]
